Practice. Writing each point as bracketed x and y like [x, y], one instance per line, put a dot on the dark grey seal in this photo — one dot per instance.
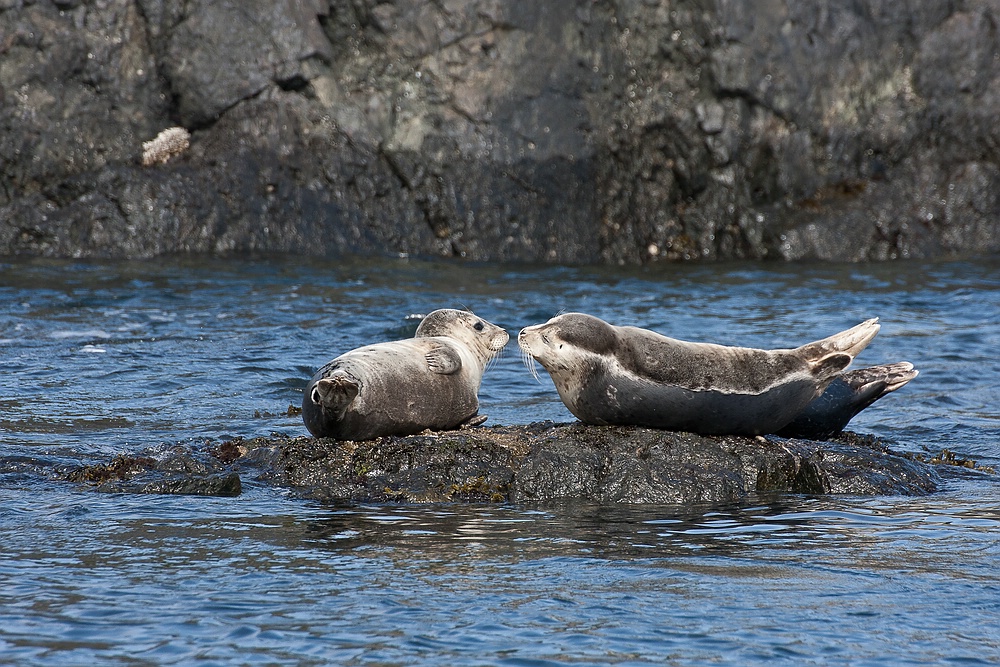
[430, 381]
[625, 375]
[848, 394]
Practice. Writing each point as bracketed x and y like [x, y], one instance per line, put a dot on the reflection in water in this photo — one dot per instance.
[790, 527]
[105, 358]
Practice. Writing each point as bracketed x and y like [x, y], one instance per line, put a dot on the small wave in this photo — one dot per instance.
[66, 425]
[82, 333]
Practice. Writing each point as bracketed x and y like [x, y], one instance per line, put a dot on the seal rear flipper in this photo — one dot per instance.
[335, 394]
[847, 395]
[887, 377]
[443, 360]
[849, 342]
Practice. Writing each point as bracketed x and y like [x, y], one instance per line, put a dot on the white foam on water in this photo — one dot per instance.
[62, 334]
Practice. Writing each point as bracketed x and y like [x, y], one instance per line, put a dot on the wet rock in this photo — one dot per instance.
[178, 470]
[548, 461]
[227, 485]
[537, 462]
[621, 132]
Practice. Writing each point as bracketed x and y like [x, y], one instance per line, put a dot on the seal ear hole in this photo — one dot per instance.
[478, 326]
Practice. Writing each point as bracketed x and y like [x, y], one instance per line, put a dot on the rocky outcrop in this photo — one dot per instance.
[537, 462]
[619, 132]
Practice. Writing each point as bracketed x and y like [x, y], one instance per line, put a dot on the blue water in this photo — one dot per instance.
[100, 359]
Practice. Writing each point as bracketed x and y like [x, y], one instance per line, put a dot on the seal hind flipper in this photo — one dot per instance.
[894, 375]
[848, 394]
[851, 342]
[443, 360]
[336, 393]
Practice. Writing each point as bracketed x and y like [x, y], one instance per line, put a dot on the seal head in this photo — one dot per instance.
[626, 375]
[430, 381]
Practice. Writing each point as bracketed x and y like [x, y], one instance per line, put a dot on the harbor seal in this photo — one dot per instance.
[625, 375]
[430, 381]
[848, 394]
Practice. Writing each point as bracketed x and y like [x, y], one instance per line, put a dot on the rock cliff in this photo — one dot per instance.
[622, 132]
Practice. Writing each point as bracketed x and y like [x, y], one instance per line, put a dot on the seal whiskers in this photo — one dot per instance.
[529, 363]
[493, 359]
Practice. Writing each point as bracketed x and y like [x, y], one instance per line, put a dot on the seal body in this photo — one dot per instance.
[430, 381]
[848, 394]
[625, 375]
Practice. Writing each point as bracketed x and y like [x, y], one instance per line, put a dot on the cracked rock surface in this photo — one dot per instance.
[619, 132]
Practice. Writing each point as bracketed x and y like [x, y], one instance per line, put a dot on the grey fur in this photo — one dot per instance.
[430, 381]
[626, 375]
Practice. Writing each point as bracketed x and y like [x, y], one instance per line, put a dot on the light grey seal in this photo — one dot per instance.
[625, 375]
[848, 394]
[430, 381]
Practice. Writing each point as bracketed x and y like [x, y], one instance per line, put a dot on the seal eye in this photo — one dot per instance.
[478, 326]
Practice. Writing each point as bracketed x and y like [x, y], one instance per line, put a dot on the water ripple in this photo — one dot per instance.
[207, 348]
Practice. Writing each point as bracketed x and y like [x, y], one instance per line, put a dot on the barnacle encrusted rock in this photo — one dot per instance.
[168, 143]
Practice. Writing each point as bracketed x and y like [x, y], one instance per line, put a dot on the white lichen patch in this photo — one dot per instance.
[168, 143]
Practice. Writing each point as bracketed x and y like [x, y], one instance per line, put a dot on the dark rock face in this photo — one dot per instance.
[565, 132]
[537, 462]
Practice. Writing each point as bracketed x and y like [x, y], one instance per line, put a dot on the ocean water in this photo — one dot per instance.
[104, 358]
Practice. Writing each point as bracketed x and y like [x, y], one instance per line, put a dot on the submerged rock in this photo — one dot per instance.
[179, 471]
[537, 462]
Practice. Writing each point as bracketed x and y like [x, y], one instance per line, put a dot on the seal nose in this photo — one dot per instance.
[500, 340]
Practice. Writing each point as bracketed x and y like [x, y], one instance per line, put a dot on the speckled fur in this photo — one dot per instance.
[404, 387]
[625, 375]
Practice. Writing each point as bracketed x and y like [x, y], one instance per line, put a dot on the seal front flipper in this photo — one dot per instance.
[443, 360]
[474, 420]
[830, 365]
[335, 393]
